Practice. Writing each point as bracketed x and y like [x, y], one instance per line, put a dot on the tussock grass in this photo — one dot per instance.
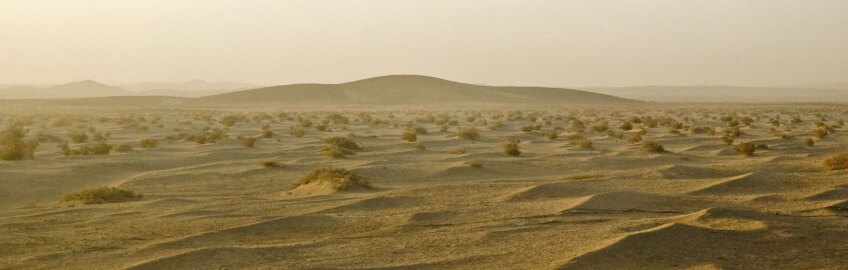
[510, 147]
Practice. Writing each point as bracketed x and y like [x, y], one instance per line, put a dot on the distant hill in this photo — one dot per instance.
[409, 90]
[190, 88]
[737, 94]
[78, 89]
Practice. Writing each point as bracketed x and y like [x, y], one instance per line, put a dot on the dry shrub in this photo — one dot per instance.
[468, 134]
[101, 148]
[474, 163]
[247, 142]
[13, 146]
[747, 148]
[809, 142]
[297, 132]
[102, 195]
[653, 147]
[148, 143]
[268, 164]
[510, 147]
[409, 136]
[457, 151]
[339, 179]
[123, 148]
[837, 162]
[338, 147]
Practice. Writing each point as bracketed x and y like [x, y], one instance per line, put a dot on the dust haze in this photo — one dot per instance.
[423, 134]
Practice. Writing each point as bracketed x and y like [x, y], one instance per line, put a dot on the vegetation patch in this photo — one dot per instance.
[102, 195]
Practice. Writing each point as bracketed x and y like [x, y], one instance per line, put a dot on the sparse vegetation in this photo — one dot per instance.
[13, 146]
[653, 147]
[338, 179]
[468, 133]
[102, 195]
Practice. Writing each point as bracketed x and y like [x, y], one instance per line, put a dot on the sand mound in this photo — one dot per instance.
[326, 181]
[838, 193]
[634, 201]
[379, 203]
[279, 230]
[750, 183]
[551, 191]
[672, 245]
[692, 172]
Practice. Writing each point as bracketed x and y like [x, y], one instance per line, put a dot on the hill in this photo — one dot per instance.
[409, 90]
[78, 89]
[736, 94]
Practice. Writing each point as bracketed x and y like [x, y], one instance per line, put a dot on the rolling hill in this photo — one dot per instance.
[408, 90]
[78, 89]
[735, 94]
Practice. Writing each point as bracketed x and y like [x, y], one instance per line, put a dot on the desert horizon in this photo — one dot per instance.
[378, 134]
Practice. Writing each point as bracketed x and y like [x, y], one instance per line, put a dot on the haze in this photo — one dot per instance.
[542, 43]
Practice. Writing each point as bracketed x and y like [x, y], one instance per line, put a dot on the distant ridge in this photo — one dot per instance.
[409, 90]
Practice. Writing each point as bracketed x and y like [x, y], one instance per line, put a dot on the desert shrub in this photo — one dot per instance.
[584, 144]
[746, 148]
[626, 126]
[527, 128]
[820, 133]
[409, 136]
[101, 148]
[66, 150]
[837, 162]
[727, 139]
[266, 131]
[231, 120]
[297, 132]
[123, 148]
[510, 146]
[13, 146]
[551, 135]
[321, 127]
[247, 142]
[148, 143]
[102, 195]
[468, 134]
[809, 142]
[634, 138]
[268, 163]
[474, 163]
[653, 147]
[339, 179]
[337, 118]
[78, 136]
[338, 147]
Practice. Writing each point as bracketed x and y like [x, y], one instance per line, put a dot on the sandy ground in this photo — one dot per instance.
[557, 206]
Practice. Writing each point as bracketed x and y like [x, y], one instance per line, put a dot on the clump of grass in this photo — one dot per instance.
[468, 134]
[634, 138]
[820, 133]
[247, 142]
[102, 195]
[419, 146]
[339, 179]
[269, 164]
[727, 139]
[266, 132]
[809, 142]
[409, 136]
[78, 136]
[510, 147]
[837, 162]
[148, 143]
[297, 132]
[746, 148]
[551, 135]
[338, 147]
[653, 147]
[123, 148]
[101, 148]
[473, 163]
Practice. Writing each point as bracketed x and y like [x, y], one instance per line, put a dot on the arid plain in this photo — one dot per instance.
[641, 185]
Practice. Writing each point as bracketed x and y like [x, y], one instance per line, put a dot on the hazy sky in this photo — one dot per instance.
[549, 43]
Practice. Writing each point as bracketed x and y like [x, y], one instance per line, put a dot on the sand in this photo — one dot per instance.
[557, 206]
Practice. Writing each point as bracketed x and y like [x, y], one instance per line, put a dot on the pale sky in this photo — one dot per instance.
[544, 43]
